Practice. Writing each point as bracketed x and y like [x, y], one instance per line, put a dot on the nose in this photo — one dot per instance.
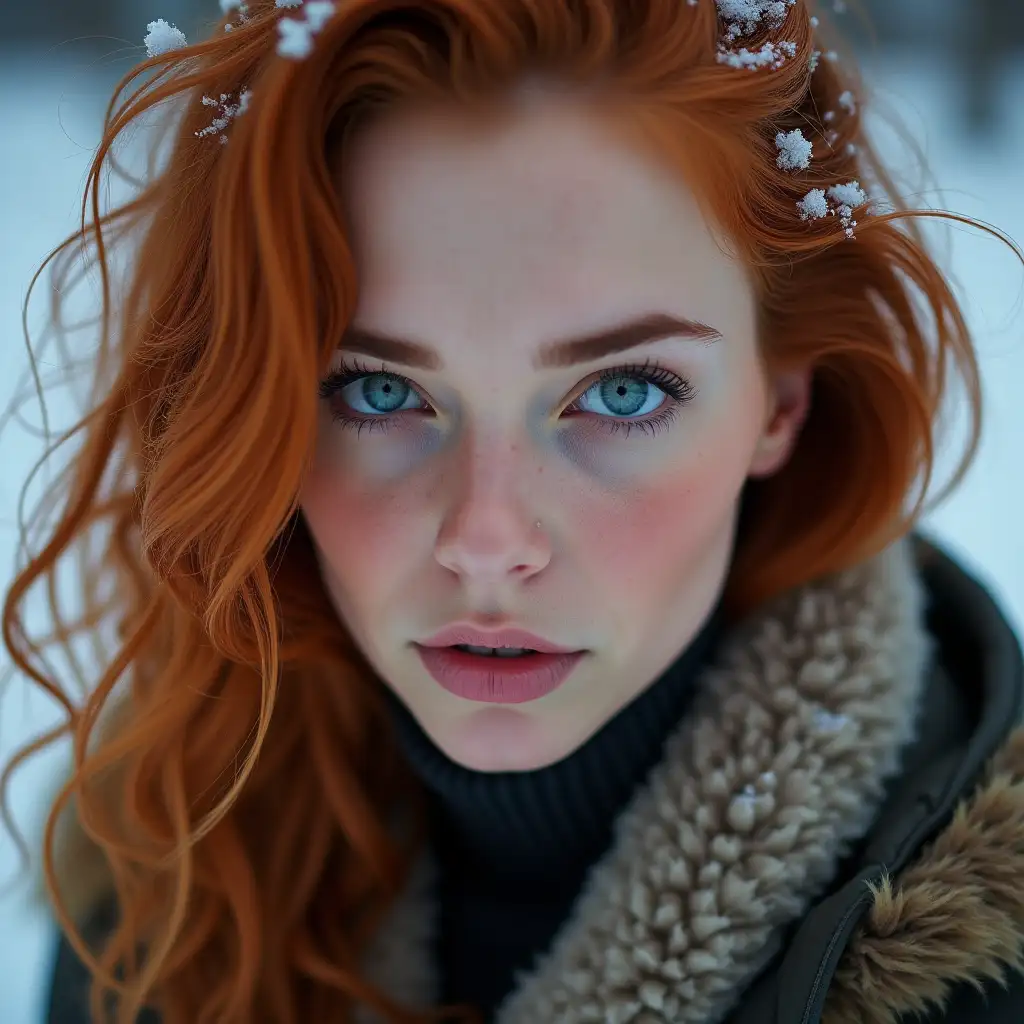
[489, 537]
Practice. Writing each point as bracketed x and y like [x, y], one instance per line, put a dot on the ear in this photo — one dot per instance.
[789, 403]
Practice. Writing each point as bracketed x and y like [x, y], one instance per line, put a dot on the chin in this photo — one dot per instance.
[501, 739]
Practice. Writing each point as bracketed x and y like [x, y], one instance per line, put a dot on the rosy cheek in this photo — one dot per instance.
[360, 506]
[639, 542]
[362, 533]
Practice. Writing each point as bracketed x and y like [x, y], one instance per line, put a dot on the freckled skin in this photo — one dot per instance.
[484, 246]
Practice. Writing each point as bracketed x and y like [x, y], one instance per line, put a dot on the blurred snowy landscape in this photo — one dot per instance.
[49, 120]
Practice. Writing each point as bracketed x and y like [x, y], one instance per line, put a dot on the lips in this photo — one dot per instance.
[472, 636]
[489, 679]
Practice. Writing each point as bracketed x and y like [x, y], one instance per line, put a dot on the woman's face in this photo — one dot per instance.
[479, 462]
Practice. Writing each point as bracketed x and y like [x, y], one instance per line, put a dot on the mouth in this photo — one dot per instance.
[514, 668]
[496, 652]
[498, 674]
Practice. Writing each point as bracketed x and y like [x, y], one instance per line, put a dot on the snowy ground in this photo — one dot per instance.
[47, 145]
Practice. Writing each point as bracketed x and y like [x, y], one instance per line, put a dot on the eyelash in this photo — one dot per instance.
[678, 391]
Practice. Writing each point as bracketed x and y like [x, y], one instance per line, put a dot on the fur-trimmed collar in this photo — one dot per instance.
[956, 915]
[782, 766]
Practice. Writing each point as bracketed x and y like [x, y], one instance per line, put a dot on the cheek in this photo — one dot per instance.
[645, 539]
[359, 506]
[639, 546]
[366, 535]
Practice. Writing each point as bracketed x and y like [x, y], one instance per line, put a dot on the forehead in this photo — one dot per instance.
[532, 221]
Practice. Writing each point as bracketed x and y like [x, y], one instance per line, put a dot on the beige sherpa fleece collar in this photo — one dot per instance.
[782, 764]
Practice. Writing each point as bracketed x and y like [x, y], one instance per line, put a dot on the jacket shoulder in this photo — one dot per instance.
[943, 942]
[70, 982]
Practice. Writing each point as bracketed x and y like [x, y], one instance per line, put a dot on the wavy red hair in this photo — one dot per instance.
[232, 760]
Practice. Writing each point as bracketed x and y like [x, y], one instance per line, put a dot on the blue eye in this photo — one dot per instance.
[380, 393]
[364, 398]
[647, 398]
[623, 395]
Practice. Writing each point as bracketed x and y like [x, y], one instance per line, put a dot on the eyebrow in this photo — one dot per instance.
[564, 352]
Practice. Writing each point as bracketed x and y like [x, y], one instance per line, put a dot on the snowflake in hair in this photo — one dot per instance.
[837, 201]
[162, 38]
[794, 150]
[744, 18]
[227, 111]
[295, 35]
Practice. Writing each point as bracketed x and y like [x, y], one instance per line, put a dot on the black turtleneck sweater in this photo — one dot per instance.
[514, 848]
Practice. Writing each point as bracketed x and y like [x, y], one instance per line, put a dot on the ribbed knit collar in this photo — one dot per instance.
[547, 826]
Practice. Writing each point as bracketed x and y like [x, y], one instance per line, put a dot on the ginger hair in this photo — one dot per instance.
[233, 768]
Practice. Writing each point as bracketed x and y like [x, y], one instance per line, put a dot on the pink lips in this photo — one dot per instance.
[491, 679]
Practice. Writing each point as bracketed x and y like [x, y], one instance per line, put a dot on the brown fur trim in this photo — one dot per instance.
[955, 915]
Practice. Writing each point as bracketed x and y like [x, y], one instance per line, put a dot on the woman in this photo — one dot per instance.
[565, 655]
